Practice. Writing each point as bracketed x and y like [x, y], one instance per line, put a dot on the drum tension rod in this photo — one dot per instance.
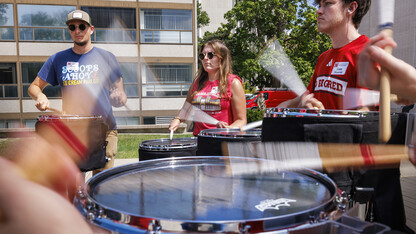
[154, 227]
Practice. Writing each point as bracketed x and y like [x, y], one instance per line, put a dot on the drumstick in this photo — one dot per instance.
[171, 135]
[192, 113]
[55, 110]
[274, 59]
[385, 21]
[251, 125]
[356, 97]
[329, 156]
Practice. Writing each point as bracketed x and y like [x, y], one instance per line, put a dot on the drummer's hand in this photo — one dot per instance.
[117, 98]
[46, 164]
[42, 102]
[403, 101]
[27, 207]
[174, 124]
[221, 124]
[308, 101]
[412, 153]
[370, 58]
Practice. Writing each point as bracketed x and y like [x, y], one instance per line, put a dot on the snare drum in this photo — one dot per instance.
[164, 148]
[339, 126]
[82, 137]
[204, 195]
[210, 140]
[336, 126]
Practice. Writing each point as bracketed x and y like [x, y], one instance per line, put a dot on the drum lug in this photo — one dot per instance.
[245, 229]
[342, 201]
[323, 216]
[92, 211]
[154, 227]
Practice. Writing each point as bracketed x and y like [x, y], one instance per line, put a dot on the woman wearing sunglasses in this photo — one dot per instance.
[215, 91]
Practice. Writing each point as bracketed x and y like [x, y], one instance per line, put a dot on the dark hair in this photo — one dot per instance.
[362, 9]
[225, 67]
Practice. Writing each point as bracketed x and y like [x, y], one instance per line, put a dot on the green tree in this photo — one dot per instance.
[3, 11]
[202, 17]
[252, 23]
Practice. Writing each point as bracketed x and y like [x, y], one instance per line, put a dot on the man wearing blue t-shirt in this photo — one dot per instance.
[90, 79]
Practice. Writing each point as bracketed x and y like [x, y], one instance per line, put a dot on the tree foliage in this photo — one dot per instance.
[252, 23]
[202, 17]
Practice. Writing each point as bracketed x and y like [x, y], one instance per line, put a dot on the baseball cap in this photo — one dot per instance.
[79, 15]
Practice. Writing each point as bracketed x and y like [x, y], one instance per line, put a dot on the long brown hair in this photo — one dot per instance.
[225, 67]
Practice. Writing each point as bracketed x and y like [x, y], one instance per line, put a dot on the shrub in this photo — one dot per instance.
[254, 115]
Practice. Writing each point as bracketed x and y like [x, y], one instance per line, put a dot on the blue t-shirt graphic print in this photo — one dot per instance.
[85, 81]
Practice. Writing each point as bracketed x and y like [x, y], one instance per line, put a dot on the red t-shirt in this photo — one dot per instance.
[335, 71]
[209, 101]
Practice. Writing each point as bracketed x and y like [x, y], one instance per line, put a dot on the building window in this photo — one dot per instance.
[123, 121]
[166, 26]
[8, 80]
[130, 80]
[166, 79]
[43, 22]
[10, 123]
[149, 120]
[6, 22]
[29, 73]
[113, 24]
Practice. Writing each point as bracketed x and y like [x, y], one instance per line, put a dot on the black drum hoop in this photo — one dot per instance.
[164, 144]
[299, 112]
[230, 133]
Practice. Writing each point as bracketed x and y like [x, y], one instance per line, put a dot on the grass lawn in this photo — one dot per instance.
[128, 144]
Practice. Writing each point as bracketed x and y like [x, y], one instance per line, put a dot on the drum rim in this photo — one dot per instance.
[225, 225]
[285, 112]
[68, 117]
[160, 147]
[221, 133]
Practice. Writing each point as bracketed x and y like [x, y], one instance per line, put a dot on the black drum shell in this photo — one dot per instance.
[210, 140]
[163, 149]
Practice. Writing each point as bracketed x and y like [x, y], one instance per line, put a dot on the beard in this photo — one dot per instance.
[82, 43]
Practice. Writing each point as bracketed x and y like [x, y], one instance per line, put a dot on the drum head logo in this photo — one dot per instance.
[273, 204]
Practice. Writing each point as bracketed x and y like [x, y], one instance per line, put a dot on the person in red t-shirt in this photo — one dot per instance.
[336, 69]
[215, 91]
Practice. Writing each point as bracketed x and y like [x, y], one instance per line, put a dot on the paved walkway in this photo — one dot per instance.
[408, 182]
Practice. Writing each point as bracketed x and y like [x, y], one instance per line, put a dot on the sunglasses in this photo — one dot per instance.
[209, 54]
[81, 27]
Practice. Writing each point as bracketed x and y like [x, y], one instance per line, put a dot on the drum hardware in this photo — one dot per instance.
[154, 227]
[245, 229]
[300, 112]
[363, 197]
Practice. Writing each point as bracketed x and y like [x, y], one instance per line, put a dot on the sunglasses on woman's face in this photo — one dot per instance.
[81, 27]
[209, 54]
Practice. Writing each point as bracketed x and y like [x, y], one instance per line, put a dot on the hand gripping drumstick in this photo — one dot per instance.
[386, 18]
